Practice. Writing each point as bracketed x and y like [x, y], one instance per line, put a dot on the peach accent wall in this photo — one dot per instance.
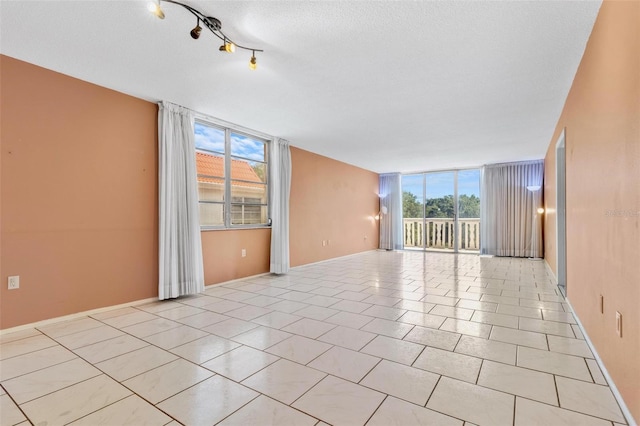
[330, 200]
[79, 195]
[334, 202]
[602, 120]
[222, 254]
[78, 201]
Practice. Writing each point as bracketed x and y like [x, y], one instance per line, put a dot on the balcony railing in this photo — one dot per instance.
[438, 233]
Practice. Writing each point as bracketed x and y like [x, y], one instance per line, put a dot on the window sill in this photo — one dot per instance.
[235, 228]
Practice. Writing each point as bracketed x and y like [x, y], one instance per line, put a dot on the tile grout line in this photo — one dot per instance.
[610, 384]
[17, 406]
[377, 334]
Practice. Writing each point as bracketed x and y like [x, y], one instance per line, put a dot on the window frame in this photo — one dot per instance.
[228, 129]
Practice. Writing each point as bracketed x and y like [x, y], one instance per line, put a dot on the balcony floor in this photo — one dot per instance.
[379, 338]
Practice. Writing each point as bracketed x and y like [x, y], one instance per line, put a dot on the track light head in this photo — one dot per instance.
[195, 33]
[228, 47]
[210, 23]
[156, 9]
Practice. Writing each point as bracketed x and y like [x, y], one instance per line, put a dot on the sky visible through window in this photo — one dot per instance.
[246, 147]
[441, 184]
[212, 139]
[209, 138]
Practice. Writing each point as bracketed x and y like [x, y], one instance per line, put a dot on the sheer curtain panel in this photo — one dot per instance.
[180, 247]
[279, 188]
[391, 212]
[510, 224]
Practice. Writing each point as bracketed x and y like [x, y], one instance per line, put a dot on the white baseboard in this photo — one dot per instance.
[616, 394]
[76, 315]
[335, 258]
[106, 308]
[293, 267]
[208, 286]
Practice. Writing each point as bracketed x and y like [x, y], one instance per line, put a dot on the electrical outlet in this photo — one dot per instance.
[244, 253]
[324, 243]
[601, 304]
[619, 323]
[328, 242]
[14, 283]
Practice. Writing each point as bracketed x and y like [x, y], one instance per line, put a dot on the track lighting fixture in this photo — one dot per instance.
[156, 10]
[228, 47]
[195, 33]
[213, 24]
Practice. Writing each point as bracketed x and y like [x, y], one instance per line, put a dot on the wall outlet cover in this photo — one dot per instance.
[14, 282]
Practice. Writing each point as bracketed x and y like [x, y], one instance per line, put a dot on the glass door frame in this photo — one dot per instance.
[456, 213]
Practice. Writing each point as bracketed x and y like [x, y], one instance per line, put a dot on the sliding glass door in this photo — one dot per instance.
[441, 211]
[413, 211]
[469, 210]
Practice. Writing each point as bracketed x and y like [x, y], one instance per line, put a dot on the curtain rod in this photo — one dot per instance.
[513, 163]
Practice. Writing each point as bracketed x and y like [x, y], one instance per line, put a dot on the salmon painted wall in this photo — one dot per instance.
[602, 120]
[78, 201]
[222, 253]
[330, 201]
[334, 202]
[79, 195]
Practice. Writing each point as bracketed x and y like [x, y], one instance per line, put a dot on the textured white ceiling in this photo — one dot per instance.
[387, 86]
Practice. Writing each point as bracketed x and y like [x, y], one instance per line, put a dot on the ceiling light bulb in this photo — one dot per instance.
[252, 63]
[228, 47]
[540, 210]
[156, 10]
[195, 33]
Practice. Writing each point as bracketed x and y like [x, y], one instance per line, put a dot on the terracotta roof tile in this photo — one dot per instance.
[211, 165]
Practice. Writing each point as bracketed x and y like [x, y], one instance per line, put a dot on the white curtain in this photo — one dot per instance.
[391, 237]
[180, 247]
[279, 189]
[509, 222]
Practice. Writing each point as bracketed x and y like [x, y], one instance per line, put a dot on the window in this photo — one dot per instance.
[232, 177]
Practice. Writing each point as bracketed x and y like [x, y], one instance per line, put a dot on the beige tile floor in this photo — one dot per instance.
[380, 338]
